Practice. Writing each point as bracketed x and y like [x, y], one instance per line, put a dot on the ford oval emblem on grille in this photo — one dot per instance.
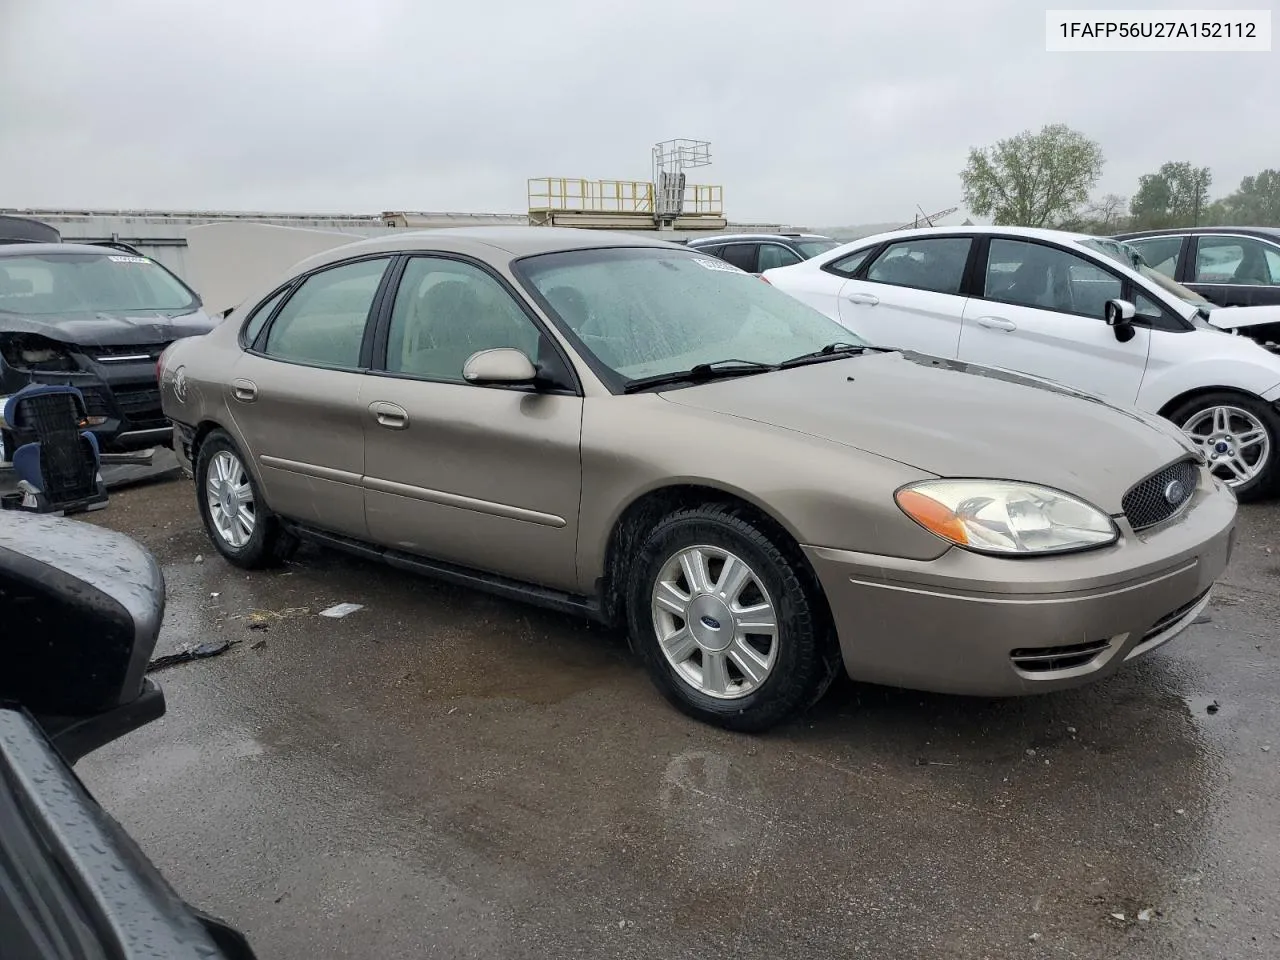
[1175, 492]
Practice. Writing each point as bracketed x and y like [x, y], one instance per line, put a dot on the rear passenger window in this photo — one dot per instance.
[323, 322]
[848, 266]
[741, 255]
[260, 317]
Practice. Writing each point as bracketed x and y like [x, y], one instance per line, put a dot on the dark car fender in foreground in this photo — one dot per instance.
[81, 609]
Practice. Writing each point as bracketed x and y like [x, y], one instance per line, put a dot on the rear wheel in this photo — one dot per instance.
[241, 527]
[1240, 437]
[730, 625]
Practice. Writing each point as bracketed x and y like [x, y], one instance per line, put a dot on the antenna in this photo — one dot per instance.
[928, 218]
[670, 159]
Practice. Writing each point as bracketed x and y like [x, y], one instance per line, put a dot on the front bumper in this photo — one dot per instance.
[988, 626]
[122, 401]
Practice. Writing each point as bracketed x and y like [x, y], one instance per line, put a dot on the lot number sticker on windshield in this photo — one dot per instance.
[718, 265]
[128, 259]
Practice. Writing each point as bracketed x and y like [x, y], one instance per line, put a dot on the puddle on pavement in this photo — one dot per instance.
[540, 665]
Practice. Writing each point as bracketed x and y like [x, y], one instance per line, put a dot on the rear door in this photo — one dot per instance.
[295, 396]
[907, 295]
[487, 477]
[1235, 271]
[1040, 311]
[744, 256]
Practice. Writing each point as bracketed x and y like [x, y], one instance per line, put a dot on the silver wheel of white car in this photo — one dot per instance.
[232, 508]
[1238, 435]
[715, 622]
[1234, 441]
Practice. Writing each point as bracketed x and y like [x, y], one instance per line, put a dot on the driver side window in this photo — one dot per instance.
[1050, 278]
[447, 310]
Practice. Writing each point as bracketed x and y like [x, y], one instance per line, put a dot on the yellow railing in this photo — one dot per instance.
[703, 199]
[564, 195]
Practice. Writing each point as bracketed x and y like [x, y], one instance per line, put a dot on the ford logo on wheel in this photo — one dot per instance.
[1174, 492]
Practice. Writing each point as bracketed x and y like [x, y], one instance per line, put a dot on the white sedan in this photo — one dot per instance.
[1064, 307]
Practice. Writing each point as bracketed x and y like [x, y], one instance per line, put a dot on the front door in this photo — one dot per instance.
[1042, 313]
[1235, 271]
[295, 398]
[484, 477]
[909, 297]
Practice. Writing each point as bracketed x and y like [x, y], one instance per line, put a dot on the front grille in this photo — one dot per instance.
[97, 401]
[1169, 619]
[1048, 659]
[128, 352]
[1161, 495]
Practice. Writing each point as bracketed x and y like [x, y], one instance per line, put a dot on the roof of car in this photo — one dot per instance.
[1031, 233]
[32, 249]
[1167, 231]
[516, 241]
[723, 237]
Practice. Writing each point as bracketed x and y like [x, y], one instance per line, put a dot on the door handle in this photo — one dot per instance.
[997, 323]
[869, 299]
[246, 391]
[389, 415]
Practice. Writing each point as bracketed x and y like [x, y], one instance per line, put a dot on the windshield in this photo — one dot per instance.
[642, 312]
[811, 248]
[1128, 255]
[64, 283]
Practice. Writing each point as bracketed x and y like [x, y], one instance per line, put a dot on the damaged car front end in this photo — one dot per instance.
[95, 318]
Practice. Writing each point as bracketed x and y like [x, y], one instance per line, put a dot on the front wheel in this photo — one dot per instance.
[732, 628]
[1240, 437]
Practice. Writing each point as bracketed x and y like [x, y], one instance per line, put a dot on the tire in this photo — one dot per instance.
[1203, 419]
[789, 672]
[266, 543]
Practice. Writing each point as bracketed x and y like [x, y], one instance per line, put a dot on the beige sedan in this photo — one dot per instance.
[627, 430]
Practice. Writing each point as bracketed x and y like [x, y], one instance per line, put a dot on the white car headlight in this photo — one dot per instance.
[1005, 517]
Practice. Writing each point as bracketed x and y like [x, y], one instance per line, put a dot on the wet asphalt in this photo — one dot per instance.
[442, 774]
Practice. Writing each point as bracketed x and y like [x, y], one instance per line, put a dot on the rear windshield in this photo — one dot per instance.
[62, 283]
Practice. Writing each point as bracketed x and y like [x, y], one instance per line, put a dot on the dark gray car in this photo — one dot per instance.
[758, 252]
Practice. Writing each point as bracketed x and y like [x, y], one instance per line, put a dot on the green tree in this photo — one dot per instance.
[1256, 202]
[1033, 179]
[1175, 196]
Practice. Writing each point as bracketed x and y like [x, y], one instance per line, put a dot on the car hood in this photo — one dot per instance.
[109, 329]
[957, 420]
[1237, 318]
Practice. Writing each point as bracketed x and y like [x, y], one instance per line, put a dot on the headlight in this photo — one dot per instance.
[1005, 517]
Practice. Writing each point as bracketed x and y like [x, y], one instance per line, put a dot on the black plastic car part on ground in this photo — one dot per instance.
[81, 609]
[1228, 266]
[97, 318]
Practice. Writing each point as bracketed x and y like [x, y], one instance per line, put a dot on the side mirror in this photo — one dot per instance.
[1119, 315]
[500, 365]
[81, 608]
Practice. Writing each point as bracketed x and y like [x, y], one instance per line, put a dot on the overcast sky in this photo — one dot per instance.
[819, 113]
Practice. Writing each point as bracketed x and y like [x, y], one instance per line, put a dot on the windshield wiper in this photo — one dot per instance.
[700, 373]
[832, 351]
